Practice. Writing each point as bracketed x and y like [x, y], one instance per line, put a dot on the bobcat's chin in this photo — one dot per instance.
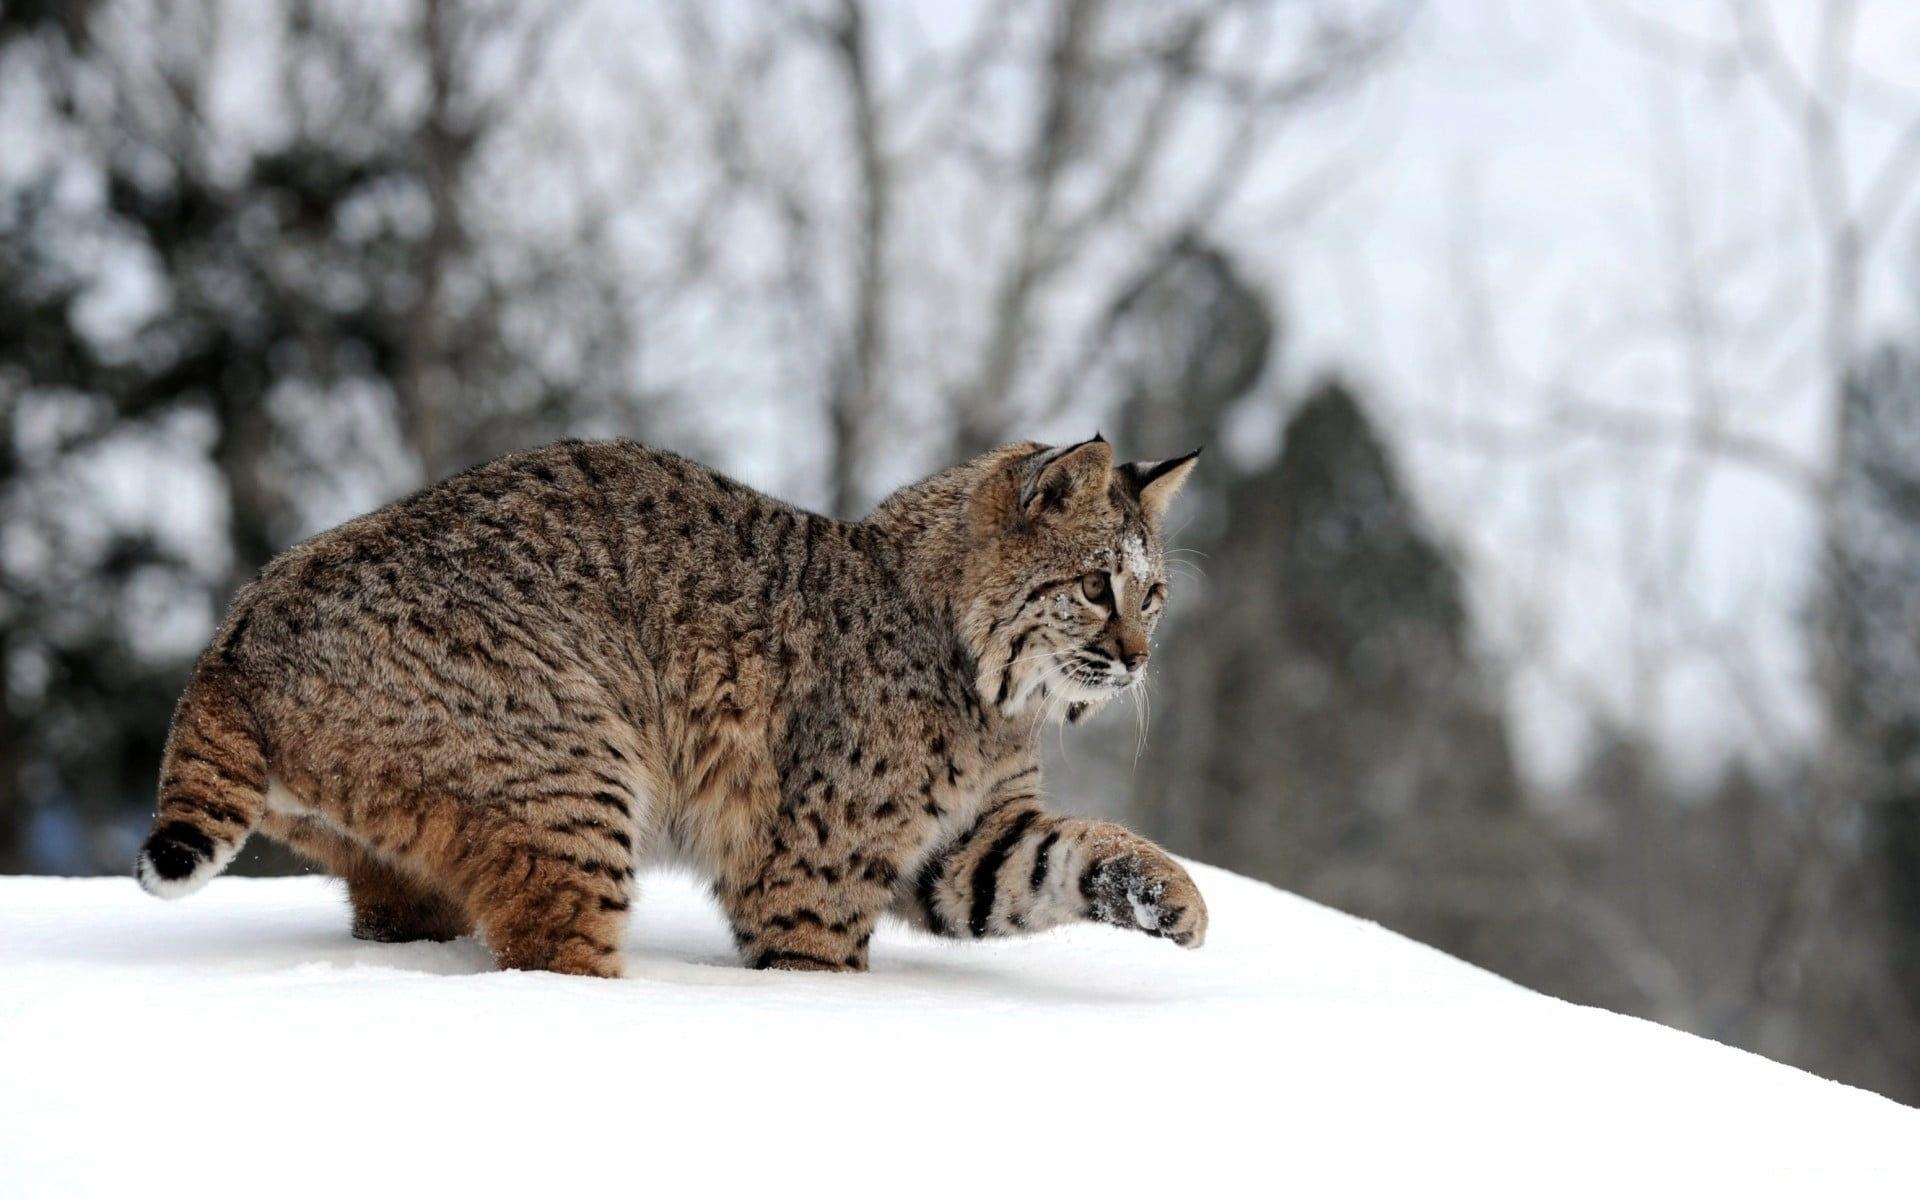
[1087, 696]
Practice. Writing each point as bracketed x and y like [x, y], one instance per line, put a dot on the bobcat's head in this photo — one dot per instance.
[1065, 573]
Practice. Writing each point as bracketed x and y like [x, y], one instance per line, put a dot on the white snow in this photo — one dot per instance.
[240, 1043]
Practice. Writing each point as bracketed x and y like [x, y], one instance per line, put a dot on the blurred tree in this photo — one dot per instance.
[316, 287]
[1190, 337]
[1327, 722]
[12, 802]
[1336, 697]
[953, 190]
[1870, 626]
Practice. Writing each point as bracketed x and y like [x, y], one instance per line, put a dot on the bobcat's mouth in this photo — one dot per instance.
[1097, 673]
[1093, 680]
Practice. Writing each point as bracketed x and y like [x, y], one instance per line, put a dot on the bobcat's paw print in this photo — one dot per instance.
[1146, 890]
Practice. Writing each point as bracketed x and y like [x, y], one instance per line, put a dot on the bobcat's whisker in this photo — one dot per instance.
[1142, 719]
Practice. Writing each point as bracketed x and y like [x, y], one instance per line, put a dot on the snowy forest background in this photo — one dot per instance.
[1552, 594]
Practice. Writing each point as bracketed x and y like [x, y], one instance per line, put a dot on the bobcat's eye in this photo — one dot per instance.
[1094, 586]
[1155, 597]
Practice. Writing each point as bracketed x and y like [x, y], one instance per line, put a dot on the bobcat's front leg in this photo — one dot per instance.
[802, 915]
[1020, 869]
[810, 901]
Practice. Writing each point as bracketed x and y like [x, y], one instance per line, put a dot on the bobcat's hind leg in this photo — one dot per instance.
[546, 909]
[388, 904]
[390, 908]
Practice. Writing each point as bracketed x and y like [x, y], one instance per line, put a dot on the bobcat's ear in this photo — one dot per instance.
[1060, 478]
[1157, 483]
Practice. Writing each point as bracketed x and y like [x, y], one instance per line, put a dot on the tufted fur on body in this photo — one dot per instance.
[483, 705]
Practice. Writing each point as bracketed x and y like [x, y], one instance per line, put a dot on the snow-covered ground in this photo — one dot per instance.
[240, 1043]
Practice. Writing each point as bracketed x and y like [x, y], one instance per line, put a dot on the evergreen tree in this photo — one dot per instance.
[330, 322]
[1871, 660]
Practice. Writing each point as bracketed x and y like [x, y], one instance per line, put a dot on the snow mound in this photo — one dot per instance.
[240, 1043]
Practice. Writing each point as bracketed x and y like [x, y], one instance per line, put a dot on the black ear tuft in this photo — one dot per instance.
[1156, 483]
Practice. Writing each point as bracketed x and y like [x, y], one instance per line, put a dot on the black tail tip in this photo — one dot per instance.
[175, 850]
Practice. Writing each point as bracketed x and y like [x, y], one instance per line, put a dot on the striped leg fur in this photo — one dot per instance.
[1020, 869]
[542, 909]
[213, 783]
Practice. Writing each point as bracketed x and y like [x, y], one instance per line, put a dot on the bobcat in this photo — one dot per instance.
[483, 705]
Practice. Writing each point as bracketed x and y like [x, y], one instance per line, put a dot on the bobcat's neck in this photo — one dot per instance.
[925, 535]
[932, 532]
[921, 535]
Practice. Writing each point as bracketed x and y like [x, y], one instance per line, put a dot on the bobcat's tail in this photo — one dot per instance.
[213, 788]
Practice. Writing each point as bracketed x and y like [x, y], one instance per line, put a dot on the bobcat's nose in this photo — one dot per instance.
[1133, 660]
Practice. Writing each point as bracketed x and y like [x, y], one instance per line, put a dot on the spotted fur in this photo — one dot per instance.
[485, 705]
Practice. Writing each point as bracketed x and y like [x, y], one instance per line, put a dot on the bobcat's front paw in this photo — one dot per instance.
[1144, 889]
